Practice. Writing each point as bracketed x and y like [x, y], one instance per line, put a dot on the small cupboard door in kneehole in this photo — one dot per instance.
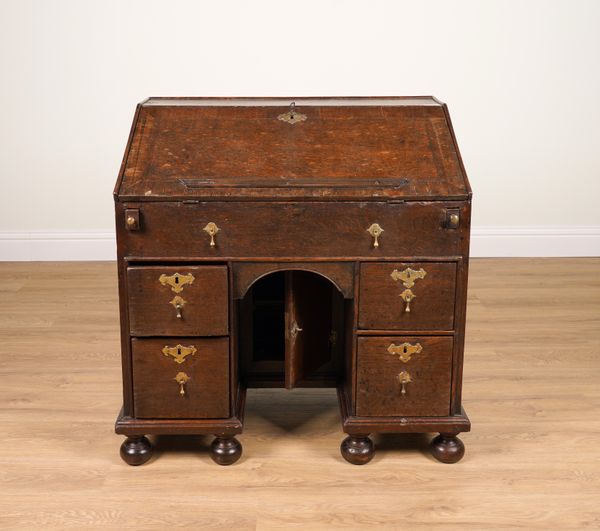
[181, 377]
[404, 376]
[178, 300]
[407, 295]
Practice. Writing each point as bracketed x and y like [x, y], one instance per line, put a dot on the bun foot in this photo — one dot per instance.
[447, 448]
[357, 449]
[136, 450]
[225, 450]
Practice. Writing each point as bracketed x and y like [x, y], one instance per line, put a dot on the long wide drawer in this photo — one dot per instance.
[404, 376]
[181, 377]
[323, 229]
[178, 300]
[407, 295]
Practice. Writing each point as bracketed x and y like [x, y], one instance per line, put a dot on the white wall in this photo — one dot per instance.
[521, 78]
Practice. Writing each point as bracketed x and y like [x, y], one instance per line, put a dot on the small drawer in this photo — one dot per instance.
[423, 363]
[407, 296]
[178, 300]
[180, 378]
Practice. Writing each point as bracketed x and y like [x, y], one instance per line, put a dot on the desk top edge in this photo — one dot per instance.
[280, 101]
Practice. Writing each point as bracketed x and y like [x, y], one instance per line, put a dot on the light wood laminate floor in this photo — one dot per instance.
[531, 389]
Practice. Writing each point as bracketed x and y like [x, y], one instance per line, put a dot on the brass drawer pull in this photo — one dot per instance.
[405, 350]
[179, 352]
[177, 281]
[182, 378]
[178, 303]
[408, 276]
[404, 379]
[407, 296]
[375, 231]
[211, 229]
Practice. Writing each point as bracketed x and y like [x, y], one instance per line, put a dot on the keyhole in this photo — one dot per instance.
[176, 280]
[405, 350]
[179, 352]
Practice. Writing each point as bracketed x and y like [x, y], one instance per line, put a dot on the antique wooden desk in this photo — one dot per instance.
[279, 243]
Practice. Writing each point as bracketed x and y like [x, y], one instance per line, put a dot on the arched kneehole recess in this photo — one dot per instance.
[292, 331]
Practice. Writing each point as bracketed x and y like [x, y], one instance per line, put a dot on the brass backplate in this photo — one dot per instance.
[179, 352]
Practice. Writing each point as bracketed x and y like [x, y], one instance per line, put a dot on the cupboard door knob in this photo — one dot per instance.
[375, 231]
[211, 229]
[182, 378]
[294, 330]
[404, 379]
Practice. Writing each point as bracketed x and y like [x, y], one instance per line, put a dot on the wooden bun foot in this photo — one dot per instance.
[447, 448]
[357, 449]
[136, 450]
[225, 450]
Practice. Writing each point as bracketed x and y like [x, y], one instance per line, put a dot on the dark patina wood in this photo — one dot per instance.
[379, 392]
[202, 305]
[156, 390]
[270, 204]
[382, 306]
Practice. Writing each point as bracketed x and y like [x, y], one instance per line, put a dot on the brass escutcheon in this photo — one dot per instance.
[178, 303]
[404, 378]
[211, 229]
[375, 231]
[179, 352]
[182, 378]
[408, 276]
[177, 281]
[292, 117]
[405, 350]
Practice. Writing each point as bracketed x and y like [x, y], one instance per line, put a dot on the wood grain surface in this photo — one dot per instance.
[188, 150]
[301, 229]
[530, 386]
[381, 305]
[378, 387]
[156, 392]
[205, 310]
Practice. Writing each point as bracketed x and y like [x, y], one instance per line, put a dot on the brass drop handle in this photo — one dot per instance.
[375, 231]
[182, 378]
[404, 379]
[294, 330]
[178, 303]
[211, 229]
[407, 296]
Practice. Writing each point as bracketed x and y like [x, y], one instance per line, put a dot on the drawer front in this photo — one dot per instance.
[178, 301]
[199, 368]
[325, 229]
[423, 363]
[407, 296]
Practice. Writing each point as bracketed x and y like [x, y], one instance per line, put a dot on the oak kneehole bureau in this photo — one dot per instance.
[292, 243]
